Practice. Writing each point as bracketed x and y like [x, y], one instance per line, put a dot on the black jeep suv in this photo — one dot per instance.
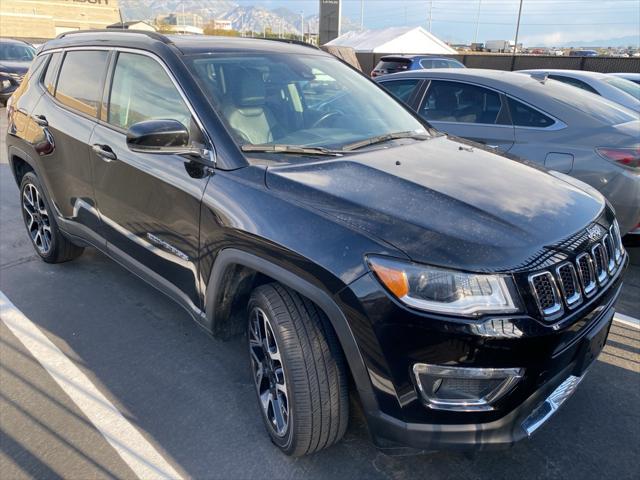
[271, 189]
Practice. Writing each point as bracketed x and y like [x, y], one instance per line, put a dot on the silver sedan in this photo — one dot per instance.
[616, 89]
[544, 121]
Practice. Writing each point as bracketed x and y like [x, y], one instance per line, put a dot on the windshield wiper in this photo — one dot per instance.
[293, 149]
[384, 138]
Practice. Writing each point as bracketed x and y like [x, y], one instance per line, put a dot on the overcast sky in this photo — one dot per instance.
[544, 22]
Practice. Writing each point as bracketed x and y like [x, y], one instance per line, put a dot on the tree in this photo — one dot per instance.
[210, 29]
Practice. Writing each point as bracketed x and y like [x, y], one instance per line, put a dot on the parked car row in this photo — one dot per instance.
[528, 115]
[273, 191]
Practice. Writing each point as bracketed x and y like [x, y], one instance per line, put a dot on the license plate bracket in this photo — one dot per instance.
[592, 345]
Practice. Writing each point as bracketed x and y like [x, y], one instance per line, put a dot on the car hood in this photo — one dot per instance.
[444, 203]
[14, 66]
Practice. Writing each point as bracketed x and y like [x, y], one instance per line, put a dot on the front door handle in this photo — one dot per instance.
[41, 120]
[104, 152]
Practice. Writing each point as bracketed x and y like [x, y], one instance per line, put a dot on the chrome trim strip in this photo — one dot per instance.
[551, 404]
[510, 377]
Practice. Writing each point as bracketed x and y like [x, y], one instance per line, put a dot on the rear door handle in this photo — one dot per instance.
[41, 120]
[104, 152]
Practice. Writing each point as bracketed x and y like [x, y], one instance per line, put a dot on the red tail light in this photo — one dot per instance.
[625, 157]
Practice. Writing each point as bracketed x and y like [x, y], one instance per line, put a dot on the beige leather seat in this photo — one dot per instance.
[247, 112]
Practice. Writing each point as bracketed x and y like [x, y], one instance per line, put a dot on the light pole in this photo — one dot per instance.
[302, 25]
[361, 15]
[475, 39]
[515, 44]
[430, 13]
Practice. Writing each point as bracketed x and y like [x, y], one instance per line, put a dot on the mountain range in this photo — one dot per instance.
[247, 18]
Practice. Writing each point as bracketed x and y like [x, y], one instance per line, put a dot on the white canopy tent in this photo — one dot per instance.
[400, 40]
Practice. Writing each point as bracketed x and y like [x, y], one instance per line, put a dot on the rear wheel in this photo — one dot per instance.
[41, 225]
[298, 370]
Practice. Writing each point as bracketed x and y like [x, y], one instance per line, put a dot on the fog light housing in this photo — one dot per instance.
[463, 389]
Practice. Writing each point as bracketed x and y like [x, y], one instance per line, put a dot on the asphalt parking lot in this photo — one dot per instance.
[191, 397]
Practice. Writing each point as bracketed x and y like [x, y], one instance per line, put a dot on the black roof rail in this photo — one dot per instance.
[286, 40]
[152, 35]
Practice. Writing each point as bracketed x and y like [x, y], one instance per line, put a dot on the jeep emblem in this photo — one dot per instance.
[594, 232]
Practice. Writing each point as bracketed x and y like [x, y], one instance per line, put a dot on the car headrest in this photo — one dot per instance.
[247, 88]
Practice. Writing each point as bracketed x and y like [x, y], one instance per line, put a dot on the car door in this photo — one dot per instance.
[149, 203]
[67, 114]
[469, 111]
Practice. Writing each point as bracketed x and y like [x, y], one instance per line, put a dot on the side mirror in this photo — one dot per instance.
[159, 136]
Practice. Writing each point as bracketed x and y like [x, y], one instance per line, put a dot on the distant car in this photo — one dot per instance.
[583, 53]
[402, 63]
[616, 89]
[15, 58]
[547, 122]
[632, 77]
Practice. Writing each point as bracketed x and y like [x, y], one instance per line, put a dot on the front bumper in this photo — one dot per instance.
[392, 339]
[389, 432]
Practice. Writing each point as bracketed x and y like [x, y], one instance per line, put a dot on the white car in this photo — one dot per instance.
[613, 88]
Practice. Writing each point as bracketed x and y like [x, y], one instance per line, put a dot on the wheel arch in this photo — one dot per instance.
[20, 163]
[235, 272]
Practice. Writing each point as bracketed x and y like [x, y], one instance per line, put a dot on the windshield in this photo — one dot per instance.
[16, 52]
[625, 85]
[301, 100]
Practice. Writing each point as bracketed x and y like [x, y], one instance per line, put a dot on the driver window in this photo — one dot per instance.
[142, 90]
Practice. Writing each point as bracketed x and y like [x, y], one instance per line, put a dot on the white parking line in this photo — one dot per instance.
[627, 320]
[135, 450]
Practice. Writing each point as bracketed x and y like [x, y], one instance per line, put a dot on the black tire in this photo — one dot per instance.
[314, 369]
[58, 248]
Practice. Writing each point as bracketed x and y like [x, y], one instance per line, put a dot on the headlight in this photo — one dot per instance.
[444, 291]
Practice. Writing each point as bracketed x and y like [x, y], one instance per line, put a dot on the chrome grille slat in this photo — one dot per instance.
[607, 241]
[568, 281]
[600, 261]
[546, 293]
[587, 274]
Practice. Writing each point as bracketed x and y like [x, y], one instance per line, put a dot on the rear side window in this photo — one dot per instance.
[574, 82]
[426, 63]
[142, 90]
[401, 89]
[49, 80]
[461, 102]
[525, 116]
[80, 80]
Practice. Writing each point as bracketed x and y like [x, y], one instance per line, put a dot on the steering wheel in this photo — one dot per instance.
[326, 117]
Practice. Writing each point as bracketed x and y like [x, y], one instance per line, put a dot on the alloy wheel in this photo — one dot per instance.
[37, 218]
[268, 372]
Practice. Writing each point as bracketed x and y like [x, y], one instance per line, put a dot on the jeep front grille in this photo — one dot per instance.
[572, 281]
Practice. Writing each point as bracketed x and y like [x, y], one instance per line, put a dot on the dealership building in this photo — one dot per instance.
[44, 19]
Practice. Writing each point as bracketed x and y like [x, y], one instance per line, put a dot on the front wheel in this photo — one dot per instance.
[298, 369]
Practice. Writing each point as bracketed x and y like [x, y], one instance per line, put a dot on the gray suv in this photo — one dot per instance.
[542, 120]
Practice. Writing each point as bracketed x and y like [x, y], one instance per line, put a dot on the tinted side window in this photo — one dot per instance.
[49, 80]
[401, 89]
[573, 82]
[524, 116]
[80, 80]
[142, 90]
[460, 102]
[426, 63]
